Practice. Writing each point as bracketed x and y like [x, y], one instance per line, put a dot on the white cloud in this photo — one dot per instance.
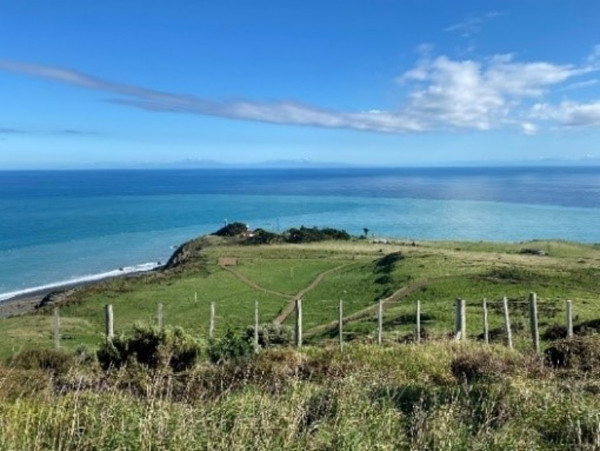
[594, 58]
[473, 24]
[527, 128]
[471, 94]
[569, 114]
[441, 93]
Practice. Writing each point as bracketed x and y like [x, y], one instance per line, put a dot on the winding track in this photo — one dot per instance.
[289, 308]
[394, 297]
[252, 284]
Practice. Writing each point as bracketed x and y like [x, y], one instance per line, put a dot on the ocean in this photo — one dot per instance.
[58, 226]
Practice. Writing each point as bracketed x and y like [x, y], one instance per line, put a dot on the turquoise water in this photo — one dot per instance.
[60, 226]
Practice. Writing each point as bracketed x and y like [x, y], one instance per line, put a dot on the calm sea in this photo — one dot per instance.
[58, 226]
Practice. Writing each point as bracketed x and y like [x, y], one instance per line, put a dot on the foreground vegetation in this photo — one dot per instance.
[434, 396]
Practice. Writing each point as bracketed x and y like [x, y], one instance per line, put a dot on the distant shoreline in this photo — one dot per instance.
[27, 299]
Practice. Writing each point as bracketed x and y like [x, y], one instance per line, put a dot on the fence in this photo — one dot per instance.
[459, 331]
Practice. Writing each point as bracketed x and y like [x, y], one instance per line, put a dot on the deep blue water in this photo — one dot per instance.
[61, 225]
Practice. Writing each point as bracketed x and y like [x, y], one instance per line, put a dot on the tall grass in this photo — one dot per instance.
[398, 397]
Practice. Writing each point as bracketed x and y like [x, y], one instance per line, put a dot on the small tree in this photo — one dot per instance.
[366, 231]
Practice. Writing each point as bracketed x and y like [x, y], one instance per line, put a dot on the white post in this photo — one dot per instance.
[159, 316]
[341, 321]
[463, 319]
[533, 320]
[56, 328]
[110, 331]
[507, 323]
[299, 323]
[418, 329]
[460, 320]
[255, 326]
[569, 319]
[486, 324]
[211, 328]
[380, 322]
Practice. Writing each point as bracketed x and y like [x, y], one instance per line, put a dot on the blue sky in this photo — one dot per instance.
[368, 82]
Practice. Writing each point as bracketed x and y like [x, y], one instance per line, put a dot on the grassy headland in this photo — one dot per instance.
[437, 395]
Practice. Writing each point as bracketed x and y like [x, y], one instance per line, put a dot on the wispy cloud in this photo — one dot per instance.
[67, 132]
[473, 24]
[442, 93]
[581, 85]
[293, 113]
[11, 131]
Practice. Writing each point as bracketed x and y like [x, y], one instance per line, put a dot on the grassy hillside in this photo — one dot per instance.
[437, 395]
[359, 272]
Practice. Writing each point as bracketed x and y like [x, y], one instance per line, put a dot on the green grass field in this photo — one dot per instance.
[437, 395]
[435, 273]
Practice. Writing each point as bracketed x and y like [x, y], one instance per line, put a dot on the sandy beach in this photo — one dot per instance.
[27, 302]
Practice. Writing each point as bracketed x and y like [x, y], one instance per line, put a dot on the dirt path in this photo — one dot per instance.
[394, 297]
[289, 308]
[254, 285]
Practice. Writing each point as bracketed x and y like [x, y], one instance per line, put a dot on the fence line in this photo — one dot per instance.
[460, 323]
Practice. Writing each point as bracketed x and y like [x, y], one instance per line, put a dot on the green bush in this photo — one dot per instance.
[151, 347]
[270, 335]
[52, 360]
[577, 353]
[485, 364]
[233, 229]
[261, 236]
[230, 348]
[308, 235]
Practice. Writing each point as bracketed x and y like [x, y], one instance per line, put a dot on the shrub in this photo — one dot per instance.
[554, 332]
[308, 235]
[270, 335]
[233, 229]
[230, 348]
[387, 263]
[261, 236]
[578, 353]
[484, 364]
[52, 360]
[152, 348]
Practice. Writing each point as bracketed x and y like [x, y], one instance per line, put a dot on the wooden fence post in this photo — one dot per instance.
[299, 323]
[457, 320]
[56, 324]
[255, 326]
[533, 321]
[569, 319]
[460, 321]
[341, 323]
[211, 327]
[159, 316]
[380, 322]
[418, 320]
[110, 330]
[463, 319]
[507, 323]
[486, 324]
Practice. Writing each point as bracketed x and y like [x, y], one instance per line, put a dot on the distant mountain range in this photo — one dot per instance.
[308, 164]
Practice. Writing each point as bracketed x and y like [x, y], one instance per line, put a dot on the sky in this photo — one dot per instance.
[360, 82]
